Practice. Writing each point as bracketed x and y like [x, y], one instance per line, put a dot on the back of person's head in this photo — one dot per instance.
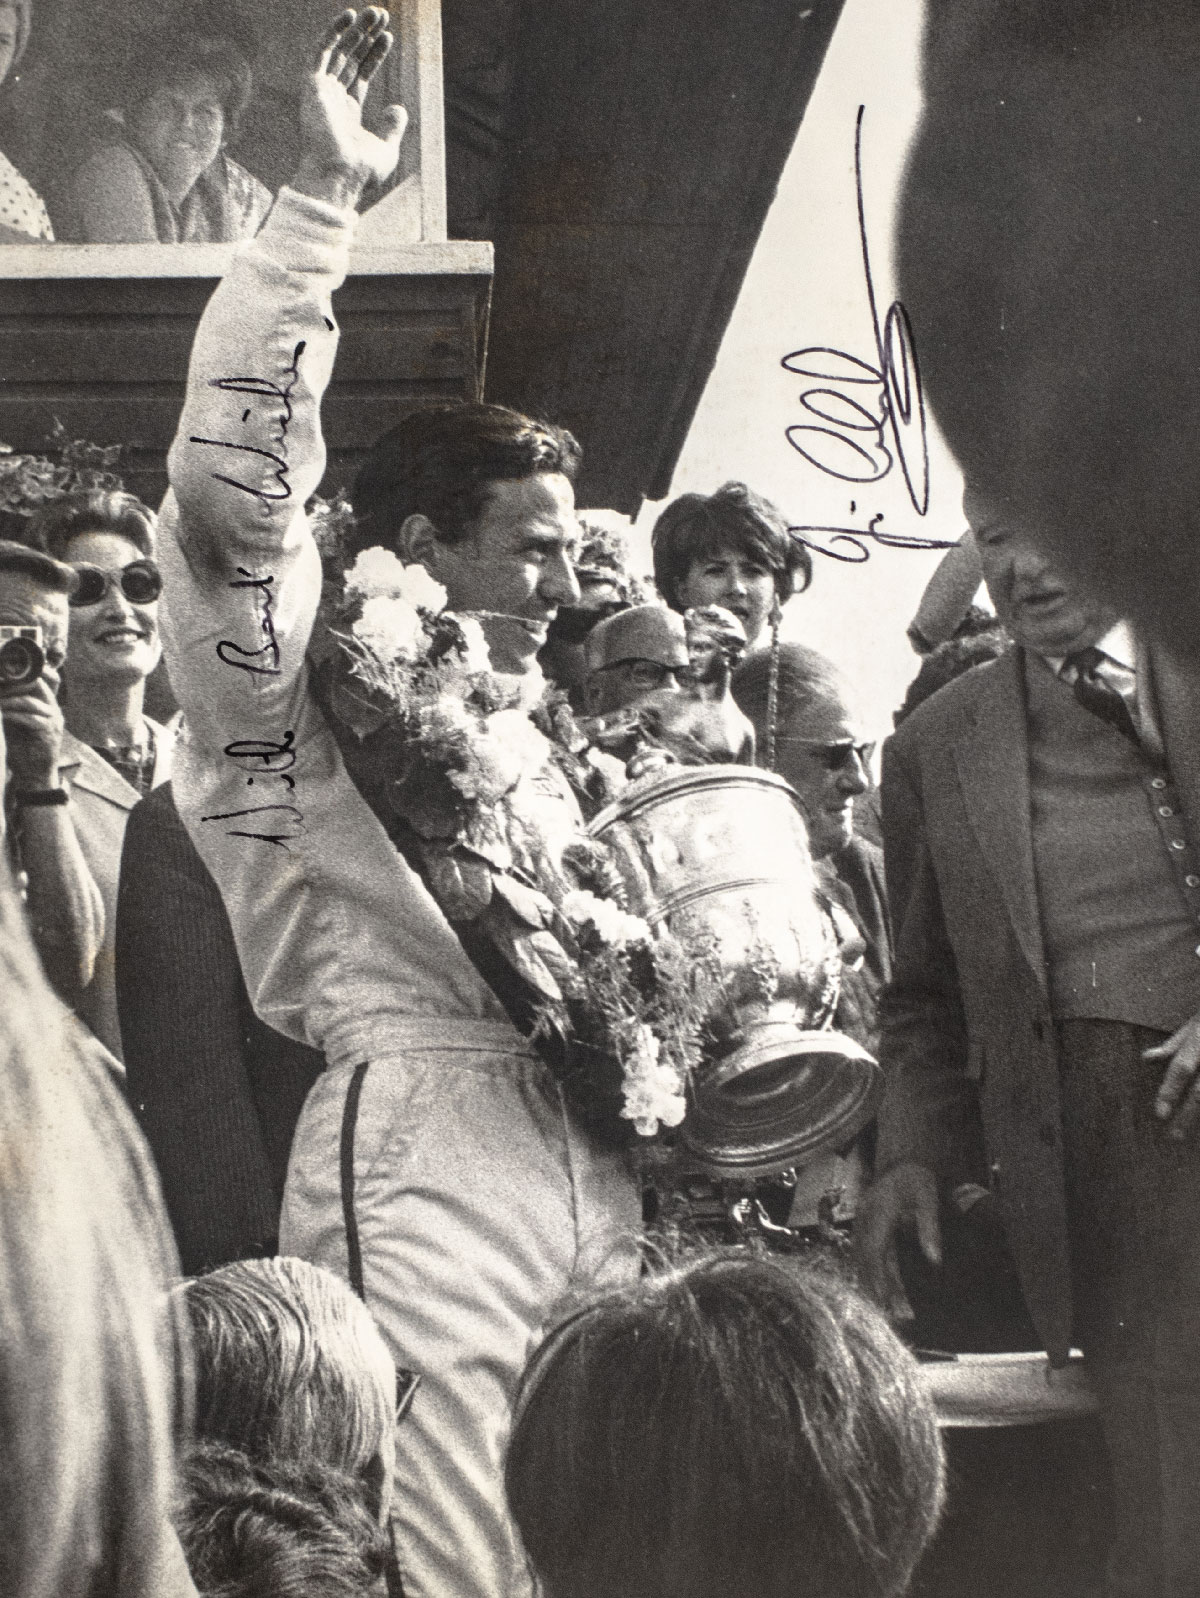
[93, 1369]
[290, 1365]
[695, 527]
[950, 660]
[804, 678]
[440, 462]
[733, 1426]
[272, 1529]
[97, 510]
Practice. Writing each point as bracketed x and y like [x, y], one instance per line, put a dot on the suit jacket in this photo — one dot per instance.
[101, 802]
[217, 1091]
[968, 1046]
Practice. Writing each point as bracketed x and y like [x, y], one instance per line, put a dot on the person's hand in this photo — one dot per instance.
[338, 155]
[904, 1197]
[33, 731]
[1178, 1099]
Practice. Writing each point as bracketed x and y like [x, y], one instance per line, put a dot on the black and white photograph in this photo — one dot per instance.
[600, 799]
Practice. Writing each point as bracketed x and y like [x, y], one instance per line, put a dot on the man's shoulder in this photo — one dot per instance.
[955, 708]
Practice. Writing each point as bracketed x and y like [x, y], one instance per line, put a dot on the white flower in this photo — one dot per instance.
[475, 655]
[508, 749]
[420, 589]
[613, 925]
[391, 628]
[378, 573]
[653, 1092]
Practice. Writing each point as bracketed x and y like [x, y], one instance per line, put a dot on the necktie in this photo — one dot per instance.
[1096, 693]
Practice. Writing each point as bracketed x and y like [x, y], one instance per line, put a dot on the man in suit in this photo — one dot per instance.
[1041, 1033]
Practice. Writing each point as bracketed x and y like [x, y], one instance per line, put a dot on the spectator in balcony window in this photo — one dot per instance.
[731, 548]
[23, 218]
[162, 173]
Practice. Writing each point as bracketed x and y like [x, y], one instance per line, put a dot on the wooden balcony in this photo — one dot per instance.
[97, 336]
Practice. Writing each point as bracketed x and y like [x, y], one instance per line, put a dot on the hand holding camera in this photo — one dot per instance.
[32, 717]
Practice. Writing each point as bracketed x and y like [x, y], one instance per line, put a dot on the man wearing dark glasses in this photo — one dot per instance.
[822, 749]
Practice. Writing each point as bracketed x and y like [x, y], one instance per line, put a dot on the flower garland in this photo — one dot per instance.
[27, 482]
[446, 752]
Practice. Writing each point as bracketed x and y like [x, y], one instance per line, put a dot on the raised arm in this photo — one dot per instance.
[242, 573]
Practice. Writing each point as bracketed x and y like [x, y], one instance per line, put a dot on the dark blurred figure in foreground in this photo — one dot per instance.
[93, 1374]
[1048, 236]
[736, 1425]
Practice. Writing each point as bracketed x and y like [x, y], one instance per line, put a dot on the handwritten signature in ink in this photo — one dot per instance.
[849, 544]
[231, 654]
[277, 760]
[861, 442]
[267, 759]
[261, 388]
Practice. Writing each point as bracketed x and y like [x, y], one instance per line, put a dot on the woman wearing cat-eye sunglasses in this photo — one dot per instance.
[108, 537]
[112, 753]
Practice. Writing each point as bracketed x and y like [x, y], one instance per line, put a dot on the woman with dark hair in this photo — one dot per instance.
[164, 175]
[731, 548]
[734, 1426]
[23, 218]
[112, 752]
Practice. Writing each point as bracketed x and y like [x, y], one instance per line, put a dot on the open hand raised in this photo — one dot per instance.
[338, 155]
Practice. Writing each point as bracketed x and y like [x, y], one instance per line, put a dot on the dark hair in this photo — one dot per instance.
[258, 1529]
[733, 1425]
[96, 510]
[695, 526]
[440, 463]
[805, 675]
[950, 660]
[168, 56]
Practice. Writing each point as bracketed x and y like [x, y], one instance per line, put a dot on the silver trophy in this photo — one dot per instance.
[718, 855]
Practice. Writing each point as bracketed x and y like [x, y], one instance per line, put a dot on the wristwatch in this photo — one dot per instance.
[28, 797]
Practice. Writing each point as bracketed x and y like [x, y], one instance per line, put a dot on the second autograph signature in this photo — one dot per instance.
[867, 417]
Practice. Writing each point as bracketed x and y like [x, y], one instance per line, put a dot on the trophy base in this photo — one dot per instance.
[783, 1096]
